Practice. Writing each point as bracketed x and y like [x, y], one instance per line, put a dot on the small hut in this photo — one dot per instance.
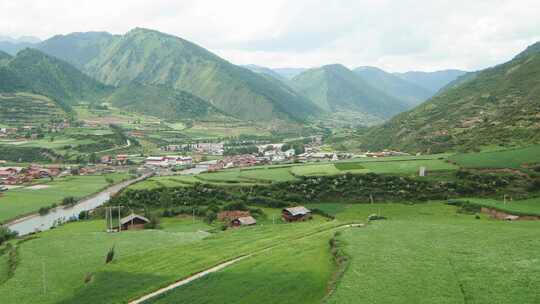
[244, 221]
[295, 214]
[133, 221]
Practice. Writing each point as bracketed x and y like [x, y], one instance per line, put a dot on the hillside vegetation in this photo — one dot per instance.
[409, 92]
[499, 106]
[150, 57]
[336, 88]
[25, 108]
[33, 71]
[161, 101]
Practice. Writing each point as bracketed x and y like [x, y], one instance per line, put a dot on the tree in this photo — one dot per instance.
[285, 147]
[93, 159]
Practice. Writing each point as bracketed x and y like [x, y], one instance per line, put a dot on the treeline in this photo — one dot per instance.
[363, 188]
[27, 154]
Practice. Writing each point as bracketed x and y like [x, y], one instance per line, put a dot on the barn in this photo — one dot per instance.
[244, 221]
[295, 214]
[133, 221]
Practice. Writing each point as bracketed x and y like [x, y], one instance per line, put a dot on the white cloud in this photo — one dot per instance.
[396, 35]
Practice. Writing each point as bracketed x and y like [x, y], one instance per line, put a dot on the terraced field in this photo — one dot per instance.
[20, 109]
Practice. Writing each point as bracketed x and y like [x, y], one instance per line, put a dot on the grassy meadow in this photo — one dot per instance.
[21, 201]
[524, 207]
[510, 158]
[429, 254]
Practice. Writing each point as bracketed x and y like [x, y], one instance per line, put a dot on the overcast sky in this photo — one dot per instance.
[396, 35]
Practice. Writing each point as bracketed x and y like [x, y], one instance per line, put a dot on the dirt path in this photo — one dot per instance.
[223, 265]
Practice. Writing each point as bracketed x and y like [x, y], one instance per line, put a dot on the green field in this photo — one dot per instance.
[146, 259]
[429, 254]
[21, 201]
[518, 207]
[512, 158]
[423, 253]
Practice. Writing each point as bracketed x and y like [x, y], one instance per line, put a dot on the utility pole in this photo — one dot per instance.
[43, 281]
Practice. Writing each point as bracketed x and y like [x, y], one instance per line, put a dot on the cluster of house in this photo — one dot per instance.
[236, 161]
[243, 218]
[168, 161]
[20, 175]
[385, 153]
[274, 153]
[205, 148]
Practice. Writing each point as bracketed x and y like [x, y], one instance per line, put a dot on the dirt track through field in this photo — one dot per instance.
[223, 265]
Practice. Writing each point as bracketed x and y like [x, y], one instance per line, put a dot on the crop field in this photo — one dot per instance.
[408, 167]
[222, 129]
[270, 277]
[146, 259]
[513, 158]
[521, 207]
[20, 201]
[429, 254]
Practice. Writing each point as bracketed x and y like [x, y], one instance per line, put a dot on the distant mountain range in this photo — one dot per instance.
[335, 88]
[153, 58]
[495, 106]
[150, 72]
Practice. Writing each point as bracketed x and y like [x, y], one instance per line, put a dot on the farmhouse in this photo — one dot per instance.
[243, 221]
[155, 161]
[122, 159]
[295, 214]
[133, 221]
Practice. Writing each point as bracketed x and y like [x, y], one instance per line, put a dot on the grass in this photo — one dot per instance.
[274, 276]
[315, 170]
[408, 167]
[512, 158]
[521, 207]
[20, 201]
[146, 260]
[279, 174]
[429, 254]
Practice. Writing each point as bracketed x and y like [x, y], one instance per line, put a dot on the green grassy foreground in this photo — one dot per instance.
[20, 201]
[521, 207]
[430, 254]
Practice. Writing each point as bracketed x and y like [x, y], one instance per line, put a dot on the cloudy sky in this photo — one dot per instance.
[397, 35]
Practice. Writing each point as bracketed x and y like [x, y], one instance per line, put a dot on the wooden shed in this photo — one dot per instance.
[244, 221]
[295, 214]
[133, 221]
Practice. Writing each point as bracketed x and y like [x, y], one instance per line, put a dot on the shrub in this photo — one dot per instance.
[68, 201]
[6, 234]
[210, 217]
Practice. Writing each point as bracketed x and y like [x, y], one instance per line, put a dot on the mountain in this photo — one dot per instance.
[498, 106]
[165, 102]
[4, 58]
[264, 71]
[432, 81]
[394, 86]
[36, 72]
[76, 48]
[289, 73]
[154, 58]
[13, 47]
[335, 88]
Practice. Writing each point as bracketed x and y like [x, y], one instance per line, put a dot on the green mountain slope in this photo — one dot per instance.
[76, 48]
[161, 101]
[150, 57]
[265, 71]
[432, 81]
[338, 89]
[394, 86]
[500, 105]
[12, 47]
[54, 78]
[4, 58]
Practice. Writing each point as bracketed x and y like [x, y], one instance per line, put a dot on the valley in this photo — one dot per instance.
[152, 170]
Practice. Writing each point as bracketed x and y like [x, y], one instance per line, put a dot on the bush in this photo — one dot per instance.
[153, 224]
[236, 206]
[6, 234]
[68, 201]
[211, 216]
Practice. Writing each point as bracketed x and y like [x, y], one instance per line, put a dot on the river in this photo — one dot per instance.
[36, 222]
